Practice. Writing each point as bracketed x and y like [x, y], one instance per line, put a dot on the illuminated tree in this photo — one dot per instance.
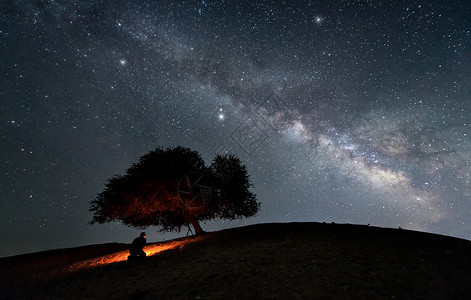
[173, 187]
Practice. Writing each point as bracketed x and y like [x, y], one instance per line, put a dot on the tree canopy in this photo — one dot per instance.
[173, 187]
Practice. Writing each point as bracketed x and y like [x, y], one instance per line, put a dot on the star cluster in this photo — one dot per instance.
[343, 111]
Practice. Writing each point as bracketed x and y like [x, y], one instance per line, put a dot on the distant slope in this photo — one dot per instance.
[47, 263]
[284, 261]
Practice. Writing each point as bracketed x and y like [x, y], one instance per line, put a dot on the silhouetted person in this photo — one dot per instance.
[136, 247]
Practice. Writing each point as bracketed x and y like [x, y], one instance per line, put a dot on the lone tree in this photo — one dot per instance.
[173, 187]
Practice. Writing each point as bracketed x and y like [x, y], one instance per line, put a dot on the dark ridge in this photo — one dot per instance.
[279, 261]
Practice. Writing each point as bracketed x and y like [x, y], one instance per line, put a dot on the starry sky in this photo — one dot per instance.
[354, 111]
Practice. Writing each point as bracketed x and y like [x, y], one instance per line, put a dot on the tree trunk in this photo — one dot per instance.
[190, 218]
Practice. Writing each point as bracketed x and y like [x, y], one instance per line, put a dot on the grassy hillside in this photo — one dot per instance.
[284, 261]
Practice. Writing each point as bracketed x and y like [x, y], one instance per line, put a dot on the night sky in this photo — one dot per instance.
[350, 111]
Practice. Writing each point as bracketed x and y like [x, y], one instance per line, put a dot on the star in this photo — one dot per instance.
[221, 115]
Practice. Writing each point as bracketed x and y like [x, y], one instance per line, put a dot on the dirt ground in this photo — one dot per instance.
[265, 261]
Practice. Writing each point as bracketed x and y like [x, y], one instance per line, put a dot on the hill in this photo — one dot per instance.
[284, 261]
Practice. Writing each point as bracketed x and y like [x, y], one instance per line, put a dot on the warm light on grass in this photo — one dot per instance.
[123, 255]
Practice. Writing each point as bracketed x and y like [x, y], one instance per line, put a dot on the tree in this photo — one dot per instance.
[173, 187]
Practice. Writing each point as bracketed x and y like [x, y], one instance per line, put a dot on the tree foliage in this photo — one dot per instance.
[173, 187]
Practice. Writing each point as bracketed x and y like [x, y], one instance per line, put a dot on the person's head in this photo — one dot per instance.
[143, 234]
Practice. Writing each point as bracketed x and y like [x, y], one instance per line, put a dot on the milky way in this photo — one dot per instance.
[343, 111]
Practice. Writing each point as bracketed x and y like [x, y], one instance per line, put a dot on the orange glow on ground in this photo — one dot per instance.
[123, 255]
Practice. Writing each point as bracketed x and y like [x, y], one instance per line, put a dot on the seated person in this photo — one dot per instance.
[136, 247]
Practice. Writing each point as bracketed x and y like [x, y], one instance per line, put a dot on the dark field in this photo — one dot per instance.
[282, 261]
